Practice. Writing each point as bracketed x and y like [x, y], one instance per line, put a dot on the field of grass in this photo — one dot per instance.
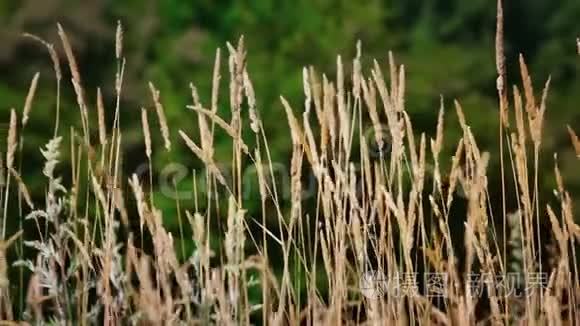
[377, 242]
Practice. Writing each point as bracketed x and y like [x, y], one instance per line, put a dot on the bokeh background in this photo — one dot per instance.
[447, 47]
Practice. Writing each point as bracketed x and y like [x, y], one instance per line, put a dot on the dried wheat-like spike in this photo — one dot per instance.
[51, 52]
[224, 125]
[4, 245]
[440, 122]
[72, 62]
[343, 115]
[307, 90]
[455, 171]
[296, 132]
[393, 74]
[460, 115]
[328, 133]
[536, 124]
[101, 118]
[357, 71]
[251, 96]
[29, 98]
[208, 161]
[11, 140]
[146, 132]
[400, 103]
[205, 135]
[120, 205]
[500, 66]
[316, 93]
[139, 198]
[528, 89]
[575, 141]
[558, 232]
[215, 84]
[160, 116]
[519, 114]
[578, 45]
[370, 96]
[119, 40]
[22, 188]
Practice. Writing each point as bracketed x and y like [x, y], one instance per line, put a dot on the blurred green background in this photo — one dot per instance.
[447, 47]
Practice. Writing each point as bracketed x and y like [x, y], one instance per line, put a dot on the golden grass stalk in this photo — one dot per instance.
[11, 141]
[146, 132]
[251, 96]
[215, 84]
[72, 62]
[160, 116]
[500, 66]
[101, 118]
[22, 188]
[575, 141]
[29, 98]
[57, 71]
[119, 41]
[210, 164]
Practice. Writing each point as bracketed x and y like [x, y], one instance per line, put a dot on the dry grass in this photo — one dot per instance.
[376, 215]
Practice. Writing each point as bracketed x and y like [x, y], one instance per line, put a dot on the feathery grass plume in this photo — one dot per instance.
[208, 161]
[311, 143]
[29, 98]
[215, 84]
[357, 71]
[400, 100]
[251, 96]
[22, 188]
[296, 132]
[329, 116]
[316, 89]
[343, 115]
[559, 233]
[82, 106]
[519, 114]
[455, 171]
[578, 45]
[307, 90]
[531, 107]
[438, 144]
[119, 203]
[500, 66]
[139, 198]
[69, 54]
[119, 40]
[306, 122]
[4, 245]
[146, 132]
[575, 141]
[204, 131]
[224, 125]
[160, 116]
[370, 97]
[11, 141]
[536, 121]
[393, 74]
[460, 115]
[51, 51]
[234, 238]
[396, 125]
[57, 71]
[101, 118]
